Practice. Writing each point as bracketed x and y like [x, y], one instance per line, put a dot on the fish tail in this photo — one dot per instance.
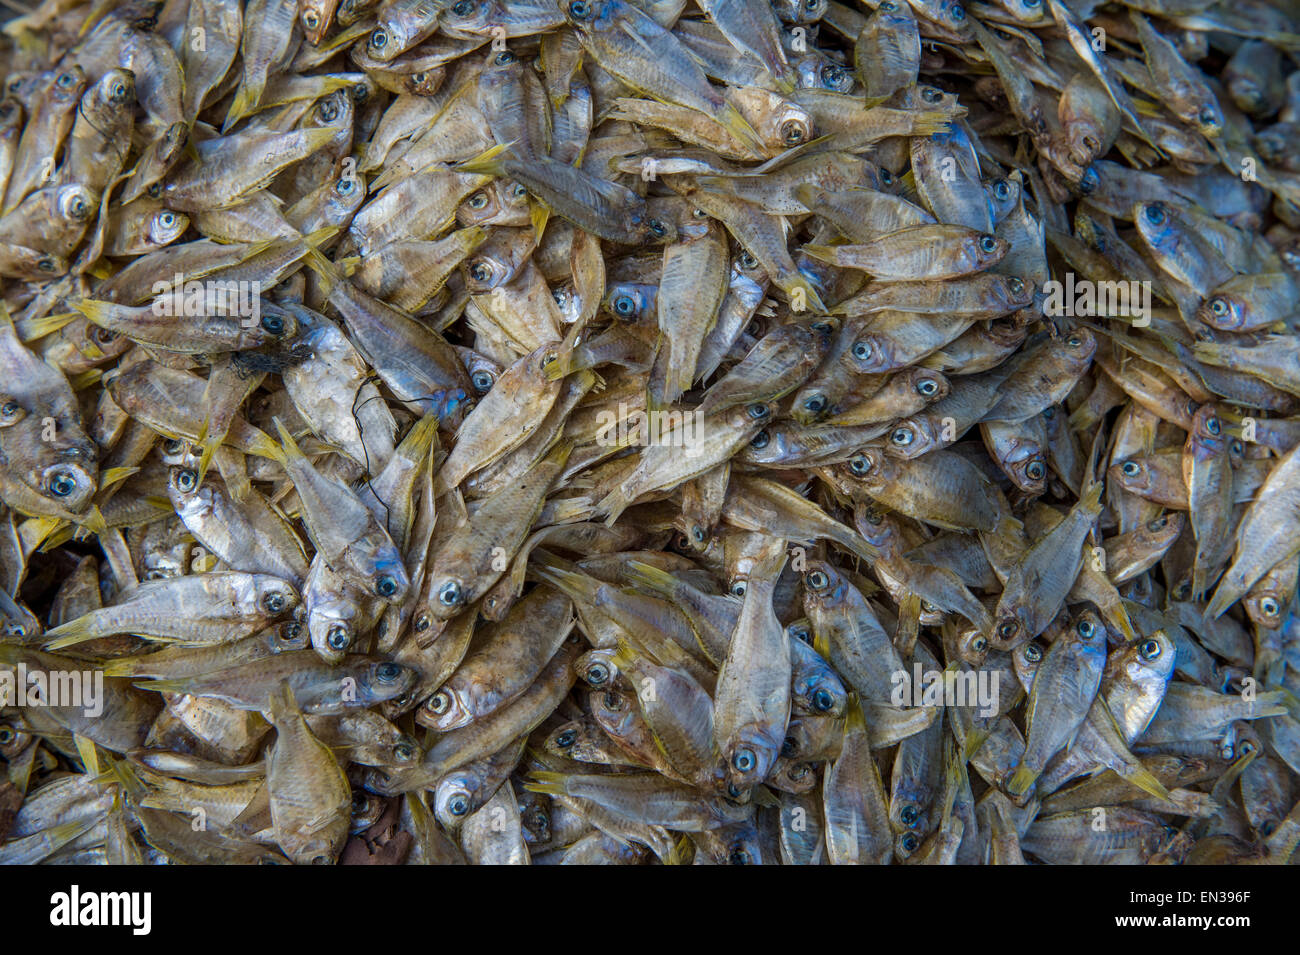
[34, 328]
[736, 124]
[281, 704]
[652, 577]
[96, 311]
[1144, 779]
[1022, 779]
[245, 102]
[544, 781]
[1225, 595]
[929, 122]
[71, 633]
[822, 253]
[487, 163]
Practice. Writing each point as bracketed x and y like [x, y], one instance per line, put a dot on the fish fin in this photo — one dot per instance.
[1145, 780]
[822, 253]
[654, 578]
[113, 475]
[88, 753]
[1022, 779]
[930, 122]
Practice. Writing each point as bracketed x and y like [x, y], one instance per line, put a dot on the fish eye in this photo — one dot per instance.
[902, 437]
[1016, 287]
[980, 644]
[886, 177]
[1033, 4]
[310, 19]
[1085, 629]
[422, 623]
[186, 479]
[480, 271]
[1226, 751]
[566, 739]
[792, 133]
[988, 243]
[1035, 471]
[909, 816]
[273, 324]
[822, 700]
[462, 8]
[909, 842]
[859, 464]
[823, 327]
[404, 751]
[1208, 116]
[338, 638]
[62, 484]
[46, 264]
[862, 350]
[9, 409]
[789, 747]
[580, 9]
[482, 380]
[625, 306]
[167, 219]
[1032, 652]
[449, 595]
[744, 760]
[748, 262]
[739, 588]
[1212, 425]
[385, 585]
[345, 186]
[379, 38]
[761, 440]
[1002, 189]
[733, 790]
[173, 446]
[698, 533]
[800, 633]
[439, 703]
[388, 672]
[614, 702]
[7, 735]
[817, 580]
[1219, 307]
[478, 201]
[597, 674]
[758, 411]
[1269, 606]
[65, 80]
[1154, 213]
[1074, 341]
[505, 58]
[833, 76]
[930, 94]
[1131, 468]
[1008, 629]
[458, 805]
[1150, 650]
[1158, 524]
[657, 228]
[119, 92]
[328, 112]
[273, 602]
[290, 632]
[154, 191]
[889, 6]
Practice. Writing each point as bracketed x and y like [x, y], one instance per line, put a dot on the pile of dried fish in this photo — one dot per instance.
[632, 431]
